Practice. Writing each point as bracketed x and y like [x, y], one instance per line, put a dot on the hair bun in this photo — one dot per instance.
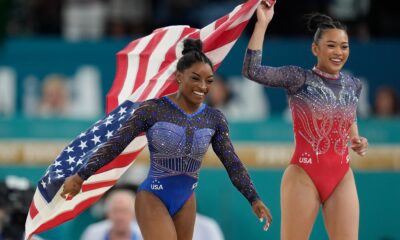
[190, 45]
[315, 20]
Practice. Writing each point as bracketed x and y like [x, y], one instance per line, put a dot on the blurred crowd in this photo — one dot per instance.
[94, 19]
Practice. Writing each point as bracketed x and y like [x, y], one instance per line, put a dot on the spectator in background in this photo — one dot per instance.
[236, 99]
[220, 94]
[129, 17]
[386, 102]
[84, 19]
[354, 14]
[206, 228]
[55, 97]
[7, 91]
[121, 221]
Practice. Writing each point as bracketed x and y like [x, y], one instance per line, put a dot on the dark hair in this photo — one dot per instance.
[319, 23]
[192, 53]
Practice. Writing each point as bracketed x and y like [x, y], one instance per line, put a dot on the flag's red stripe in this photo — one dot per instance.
[93, 186]
[120, 76]
[170, 86]
[112, 96]
[121, 161]
[65, 216]
[131, 46]
[170, 56]
[33, 210]
[144, 58]
[224, 37]
[220, 21]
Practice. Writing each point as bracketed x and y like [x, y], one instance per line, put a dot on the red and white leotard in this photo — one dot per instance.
[323, 109]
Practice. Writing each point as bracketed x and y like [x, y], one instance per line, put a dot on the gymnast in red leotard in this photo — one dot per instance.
[323, 101]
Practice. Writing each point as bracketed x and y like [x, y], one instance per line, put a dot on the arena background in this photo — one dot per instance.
[29, 142]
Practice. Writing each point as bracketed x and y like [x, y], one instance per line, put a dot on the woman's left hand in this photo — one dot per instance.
[359, 145]
[262, 213]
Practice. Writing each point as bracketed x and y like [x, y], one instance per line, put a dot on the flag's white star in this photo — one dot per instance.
[83, 145]
[57, 163]
[95, 128]
[108, 122]
[79, 162]
[82, 134]
[58, 171]
[71, 169]
[96, 139]
[109, 134]
[110, 117]
[122, 117]
[43, 184]
[69, 149]
[70, 160]
[122, 110]
[60, 176]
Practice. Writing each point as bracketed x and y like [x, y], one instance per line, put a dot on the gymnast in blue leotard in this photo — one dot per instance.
[179, 129]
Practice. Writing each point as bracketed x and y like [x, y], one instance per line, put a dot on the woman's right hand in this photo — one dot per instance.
[264, 13]
[262, 213]
[72, 186]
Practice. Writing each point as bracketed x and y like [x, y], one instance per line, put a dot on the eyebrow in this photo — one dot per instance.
[199, 75]
[331, 41]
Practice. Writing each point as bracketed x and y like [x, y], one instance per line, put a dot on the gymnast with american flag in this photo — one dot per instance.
[159, 89]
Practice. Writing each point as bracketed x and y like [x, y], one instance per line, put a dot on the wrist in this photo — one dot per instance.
[78, 177]
[262, 25]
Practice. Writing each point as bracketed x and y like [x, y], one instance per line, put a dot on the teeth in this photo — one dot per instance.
[336, 60]
[198, 93]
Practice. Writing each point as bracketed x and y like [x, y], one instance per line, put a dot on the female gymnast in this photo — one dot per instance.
[179, 129]
[323, 101]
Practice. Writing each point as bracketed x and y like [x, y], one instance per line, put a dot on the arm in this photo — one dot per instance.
[238, 174]
[107, 152]
[358, 144]
[289, 77]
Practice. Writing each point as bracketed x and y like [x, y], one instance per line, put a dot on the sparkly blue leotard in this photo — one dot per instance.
[177, 143]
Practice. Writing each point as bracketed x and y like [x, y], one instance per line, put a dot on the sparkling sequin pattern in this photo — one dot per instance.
[177, 143]
[323, 110]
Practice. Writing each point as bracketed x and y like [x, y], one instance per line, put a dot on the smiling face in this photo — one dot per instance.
[332, 50]
[194, 83]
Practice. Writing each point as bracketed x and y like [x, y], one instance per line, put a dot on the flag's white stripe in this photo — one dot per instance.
[207, 31]
[137, 144]
[132, 68]
[110, 175]
[217, 55]
[158, 56]
[243, 18]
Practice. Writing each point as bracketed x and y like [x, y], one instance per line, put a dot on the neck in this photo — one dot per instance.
[184, 104]
[323, 74]
[120, 234]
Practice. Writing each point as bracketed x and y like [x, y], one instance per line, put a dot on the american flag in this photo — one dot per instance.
[145, 70]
